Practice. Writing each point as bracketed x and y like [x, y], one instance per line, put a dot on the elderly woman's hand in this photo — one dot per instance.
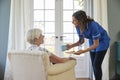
[71, 58]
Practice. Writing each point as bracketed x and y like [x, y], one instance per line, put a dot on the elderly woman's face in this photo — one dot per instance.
[41, 39]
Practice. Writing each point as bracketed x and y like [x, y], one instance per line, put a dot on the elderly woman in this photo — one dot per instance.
[35, 38]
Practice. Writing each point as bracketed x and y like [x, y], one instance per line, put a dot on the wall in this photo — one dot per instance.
[4, 27]
[114, 30]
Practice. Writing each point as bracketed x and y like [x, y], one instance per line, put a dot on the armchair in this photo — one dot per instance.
[35, 65]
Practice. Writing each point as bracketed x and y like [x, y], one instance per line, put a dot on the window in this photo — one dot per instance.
[54, 17]
[44, 18]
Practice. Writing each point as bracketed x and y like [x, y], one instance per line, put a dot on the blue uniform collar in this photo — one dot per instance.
[78, 29]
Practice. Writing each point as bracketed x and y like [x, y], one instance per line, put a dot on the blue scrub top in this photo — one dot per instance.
[95, 31]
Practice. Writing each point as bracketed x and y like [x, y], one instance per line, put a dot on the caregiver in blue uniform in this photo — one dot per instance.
[98, 40]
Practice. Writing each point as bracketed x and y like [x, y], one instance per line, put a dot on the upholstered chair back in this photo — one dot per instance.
[27, 65]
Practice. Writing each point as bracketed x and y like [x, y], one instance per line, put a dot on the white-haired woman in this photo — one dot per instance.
[35, 38]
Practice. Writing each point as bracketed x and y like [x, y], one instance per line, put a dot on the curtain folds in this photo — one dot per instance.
[20, 21]
[100, 15]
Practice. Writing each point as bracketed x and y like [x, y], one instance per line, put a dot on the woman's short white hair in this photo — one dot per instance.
[32, 34]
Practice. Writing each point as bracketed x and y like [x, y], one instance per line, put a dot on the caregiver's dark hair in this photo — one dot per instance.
[81, 16]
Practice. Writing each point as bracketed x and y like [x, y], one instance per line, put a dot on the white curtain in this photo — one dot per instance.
[20, 21]
[100, 15]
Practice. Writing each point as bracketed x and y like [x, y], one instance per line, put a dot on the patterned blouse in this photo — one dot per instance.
[36, 48]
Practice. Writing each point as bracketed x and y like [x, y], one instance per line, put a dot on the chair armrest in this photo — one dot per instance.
[61, 67]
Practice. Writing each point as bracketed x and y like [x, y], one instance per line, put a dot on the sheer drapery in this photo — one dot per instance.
[20, 21]
[100, 15]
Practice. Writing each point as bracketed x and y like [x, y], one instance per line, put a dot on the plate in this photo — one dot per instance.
[70, 52]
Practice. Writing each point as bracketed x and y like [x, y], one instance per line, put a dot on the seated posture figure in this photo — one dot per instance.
[35, 38]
